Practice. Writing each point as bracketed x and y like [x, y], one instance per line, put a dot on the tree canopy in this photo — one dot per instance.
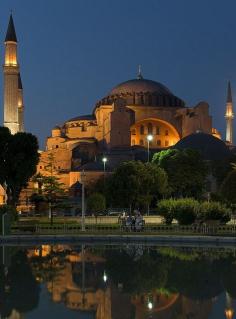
[18, 160]
[135, 184]
[228, 188]
[185, 169]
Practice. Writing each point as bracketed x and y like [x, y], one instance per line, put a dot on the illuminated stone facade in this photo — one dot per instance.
[119, 125]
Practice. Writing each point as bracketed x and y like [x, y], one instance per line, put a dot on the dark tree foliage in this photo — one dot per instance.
[18, 160]
[185, 169]
[135, 184]
[23, 292]
[228, 188]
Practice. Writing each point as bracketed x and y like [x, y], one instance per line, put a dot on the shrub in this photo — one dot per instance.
[165, 208]
[214, 211]
[186, 211]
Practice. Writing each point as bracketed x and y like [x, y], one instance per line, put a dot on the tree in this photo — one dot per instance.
[135, 183]
[185, 169]
[228, 188]
[50, 189]
[18, 160]
[96, 203]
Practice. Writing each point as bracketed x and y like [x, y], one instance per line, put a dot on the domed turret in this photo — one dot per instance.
[56, 131]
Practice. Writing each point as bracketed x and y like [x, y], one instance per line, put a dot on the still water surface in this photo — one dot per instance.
[117, 282]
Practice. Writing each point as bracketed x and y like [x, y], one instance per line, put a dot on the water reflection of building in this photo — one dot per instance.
[79, 285]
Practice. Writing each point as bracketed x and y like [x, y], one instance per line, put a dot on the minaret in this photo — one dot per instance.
[20, 105]
[229, 116]
[11, 80]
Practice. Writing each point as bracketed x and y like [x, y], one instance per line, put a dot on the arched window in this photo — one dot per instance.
[141, 129]
[157, 130]
[149, 128]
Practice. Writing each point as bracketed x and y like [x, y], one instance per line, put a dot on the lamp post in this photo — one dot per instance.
[3, 224]
[149, 139]
[83, 204]
[104, 159]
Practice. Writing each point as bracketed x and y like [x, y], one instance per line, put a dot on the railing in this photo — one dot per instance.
[119, 228]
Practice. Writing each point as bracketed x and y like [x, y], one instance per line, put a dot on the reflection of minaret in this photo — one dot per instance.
[229, 115]
[13, 100]
[229, 311]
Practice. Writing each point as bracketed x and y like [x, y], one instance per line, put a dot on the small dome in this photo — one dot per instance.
[210, 147]
[57, 128]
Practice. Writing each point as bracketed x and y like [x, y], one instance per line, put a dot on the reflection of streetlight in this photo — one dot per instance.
[83, 205]
[149, 139]
[150, 305]
[104, 159]
[104, 277]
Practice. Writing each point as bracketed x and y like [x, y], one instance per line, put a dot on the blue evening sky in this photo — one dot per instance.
[72, 52]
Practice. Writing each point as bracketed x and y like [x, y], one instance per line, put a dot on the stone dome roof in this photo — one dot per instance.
[142, 92]
[140, 85]
[210, 147]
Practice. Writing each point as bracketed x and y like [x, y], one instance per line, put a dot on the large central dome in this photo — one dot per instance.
[142, 92]
[140, 85]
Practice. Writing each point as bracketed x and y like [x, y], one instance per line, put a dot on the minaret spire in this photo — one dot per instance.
[11, 32]
[229, 115]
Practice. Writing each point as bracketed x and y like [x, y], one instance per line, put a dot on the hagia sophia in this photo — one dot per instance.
[118, 125]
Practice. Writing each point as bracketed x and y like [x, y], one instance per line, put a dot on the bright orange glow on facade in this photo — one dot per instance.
[163, 133]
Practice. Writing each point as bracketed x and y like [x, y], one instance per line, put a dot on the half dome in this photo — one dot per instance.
[210, 147]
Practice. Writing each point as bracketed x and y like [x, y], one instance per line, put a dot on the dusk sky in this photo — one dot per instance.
[72, 52]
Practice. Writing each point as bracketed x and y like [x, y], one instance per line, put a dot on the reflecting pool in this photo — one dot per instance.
[117, 282]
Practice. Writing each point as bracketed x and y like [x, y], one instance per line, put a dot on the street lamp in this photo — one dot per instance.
[104, 159]
[104, 277]
[149, 139]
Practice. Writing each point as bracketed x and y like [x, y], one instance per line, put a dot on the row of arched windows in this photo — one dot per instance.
[150, 129]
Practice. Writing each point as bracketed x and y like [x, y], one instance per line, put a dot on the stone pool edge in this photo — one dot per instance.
[134, 238]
